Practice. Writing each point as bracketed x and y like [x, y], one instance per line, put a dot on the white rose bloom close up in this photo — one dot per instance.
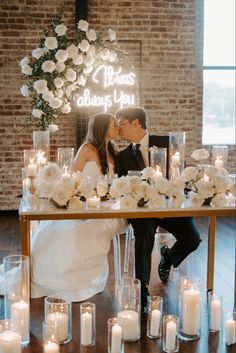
[48, 95]
[55, 103]
[61, 30]
[26, 70]
[51, 173]
[83, 25]
[61, 55]
[45, 189]
[83, 45]
[221, 183]
[51, 43]
[61, 196]
[40, 86]
[91, 35]
[148, 173]
[200, 154]
[66, 109]
[24, 90]
[120, 187]
[58, 82]
[72, 51]
[48, 66]
[37, 53]
[205, 189]
[127, 201]
[70, 75]
[112, 35]
[60, 67]
[37, 113]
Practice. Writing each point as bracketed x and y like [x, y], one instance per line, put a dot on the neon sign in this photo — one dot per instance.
[115, 88]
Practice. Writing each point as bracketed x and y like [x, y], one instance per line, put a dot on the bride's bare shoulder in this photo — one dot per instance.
[88, 148]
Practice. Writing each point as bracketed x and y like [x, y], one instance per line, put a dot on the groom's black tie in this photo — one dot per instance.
[139, 157]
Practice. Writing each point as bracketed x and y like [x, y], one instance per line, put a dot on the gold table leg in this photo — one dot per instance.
[211, 252]
[25, 235]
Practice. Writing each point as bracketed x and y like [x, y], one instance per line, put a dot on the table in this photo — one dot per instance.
[106, 210]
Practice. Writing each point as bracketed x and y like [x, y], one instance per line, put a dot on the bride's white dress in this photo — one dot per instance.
[70, 257]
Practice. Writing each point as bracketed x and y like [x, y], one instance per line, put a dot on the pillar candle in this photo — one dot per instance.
[51, 347]
[116, 338]
[10, 342]
[171, 330]
[155, 322]
[86, 329]
[20, 319]
[191, 311]
[61, 320]
[129, 320]
[215, 317]
[230, 331]
[32, 170]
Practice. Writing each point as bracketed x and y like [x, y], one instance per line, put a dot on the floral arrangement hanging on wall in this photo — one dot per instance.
[60, 66]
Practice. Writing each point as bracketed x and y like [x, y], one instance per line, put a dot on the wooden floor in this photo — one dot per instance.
[195, 265]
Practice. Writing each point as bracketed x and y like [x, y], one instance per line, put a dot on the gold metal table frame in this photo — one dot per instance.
[26, 216]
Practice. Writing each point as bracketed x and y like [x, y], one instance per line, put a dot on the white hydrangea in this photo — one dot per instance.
[177, 201]
[58, 93]
[37, 113]
[61, 55]
[61, 30]
[148, 173]
[55, 103]
[83, 45]
[120, 187]
[51, 43]
[40, 86]
[48, 66]
[91, 35]
[61, 196]
[37, 53]
[24, 90]
[91, 50]
[83, 25]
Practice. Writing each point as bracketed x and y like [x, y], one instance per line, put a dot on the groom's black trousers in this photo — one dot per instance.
[183, 229]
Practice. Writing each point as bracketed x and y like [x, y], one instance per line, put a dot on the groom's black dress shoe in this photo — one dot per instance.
[164, 265]
[144, 296]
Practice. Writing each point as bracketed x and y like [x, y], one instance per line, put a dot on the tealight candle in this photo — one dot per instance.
[61, 320]
[51, 347]
[10, 342]
[20, 319]
[218, 162]
[93, 201]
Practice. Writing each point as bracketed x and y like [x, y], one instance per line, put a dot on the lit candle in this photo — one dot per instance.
[32, 170]
[93, 201]
[116, 338]
[215, 318]
[191, 311]
[155, 322]
[41, 160]
[86, 329]
[230, 331]
[10, 342]
[205, 178]
[65, 173]
[218, 162]
[61, 320]
[157, 172]
[175, 159]
[20, 319]
[129, 320]
[51, 347]
[171, 330]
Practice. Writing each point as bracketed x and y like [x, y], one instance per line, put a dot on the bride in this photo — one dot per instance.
[70, 257]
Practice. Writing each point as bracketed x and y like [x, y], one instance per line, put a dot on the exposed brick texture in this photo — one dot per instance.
[166, 48]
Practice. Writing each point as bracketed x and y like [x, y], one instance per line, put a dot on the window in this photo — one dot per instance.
[219, 72]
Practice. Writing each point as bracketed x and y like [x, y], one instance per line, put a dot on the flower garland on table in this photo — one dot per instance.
[59, 67]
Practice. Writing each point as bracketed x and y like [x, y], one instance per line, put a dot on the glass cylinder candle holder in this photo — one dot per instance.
[10, 341]
[128, 302]
[220, 156]
[158, 160]
[41, 159]
[30, 157]
[87, 324]
[65, 159]
[25, 183]
[16, 294]
[154, 318]
[214, 311]
[58, 310]
[50, 340]
[115, 336]
[170, 341]
[230, 328]
[41, 141]
[189, 298]
[177, 153]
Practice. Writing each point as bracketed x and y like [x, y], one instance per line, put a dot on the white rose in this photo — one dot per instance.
[53, 128]
[51, 43]
[196, 200]
[112, 35]
[47, 95]
[88, 70]
[72, 51]
[37, 53]
[26, 70]
[200, 154]
[88, 60]
[59, 93]
[61, 55]
[91, 35]
[177, 185]
[162, 185]
[86, 188]
[127, 201]
[40, 86]
[157, 201]
[75, 204]
[37, 113]
[91, 50]
[55, 103]
[148, 173]
[58, 82]
[221, 183]
[66, 108]
[189, 173]
[48, 66]
[60, 67]
[51, 173]
[120, 187]
[61, 196]
[220, 200]
[177, 200]
[32, 202]
[81, 80]
[205, 189]
[24, 61]
[44, 189]
[140, 190]
[78, 60]
[70, 75]
[24, 90]
[61, 30]
[83, 45]
[83, 25]
[102, 188]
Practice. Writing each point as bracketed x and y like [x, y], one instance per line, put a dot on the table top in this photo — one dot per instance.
[109, 209]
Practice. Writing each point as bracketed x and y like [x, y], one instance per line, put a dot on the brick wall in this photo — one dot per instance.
[170, 37]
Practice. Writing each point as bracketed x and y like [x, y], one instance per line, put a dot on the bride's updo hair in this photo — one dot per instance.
[98, 126]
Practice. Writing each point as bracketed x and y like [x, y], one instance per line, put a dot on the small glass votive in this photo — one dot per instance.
[115, 336]
[214, 311]
[230, 328]
[93, 202]
[87, 324]
[30, 157]
[158, 161]
[50, 341]
[65, 158]
[154, 318]
[10, 341]
[170, 341]
[220, 156]
[58, 310]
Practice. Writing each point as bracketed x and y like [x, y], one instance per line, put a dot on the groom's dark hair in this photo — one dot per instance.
[133, 113]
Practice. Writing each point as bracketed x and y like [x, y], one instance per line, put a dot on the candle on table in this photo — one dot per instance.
[116, 338]
[171, 330]
[10, 342]
[61, 320]
[157, 172]
[129, 320]
[20, 319]
[51, 347]
[191, 311]
[175, 159]
[155, 322]
[218, 162]
[230, 331]
[215, 315]
[86, 329]
[93, 201]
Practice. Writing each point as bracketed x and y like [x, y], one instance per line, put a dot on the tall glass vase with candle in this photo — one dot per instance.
[170, 341]
[158, 160]
[230, 328]
[177, 153]
[87, 324]
[10, 341]
[214, 311]
[154, 318]
[127, 293]
[50, 340]
[41, 141]
[65, 159]
[16, 294]
[115, 336]
[189, 299]
[220, 156]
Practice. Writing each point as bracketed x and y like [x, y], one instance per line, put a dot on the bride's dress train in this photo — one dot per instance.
[70, 257]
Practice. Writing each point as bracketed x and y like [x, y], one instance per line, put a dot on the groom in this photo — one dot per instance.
[132, 124]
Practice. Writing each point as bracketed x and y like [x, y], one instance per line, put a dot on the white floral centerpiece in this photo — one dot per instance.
[59, 66]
